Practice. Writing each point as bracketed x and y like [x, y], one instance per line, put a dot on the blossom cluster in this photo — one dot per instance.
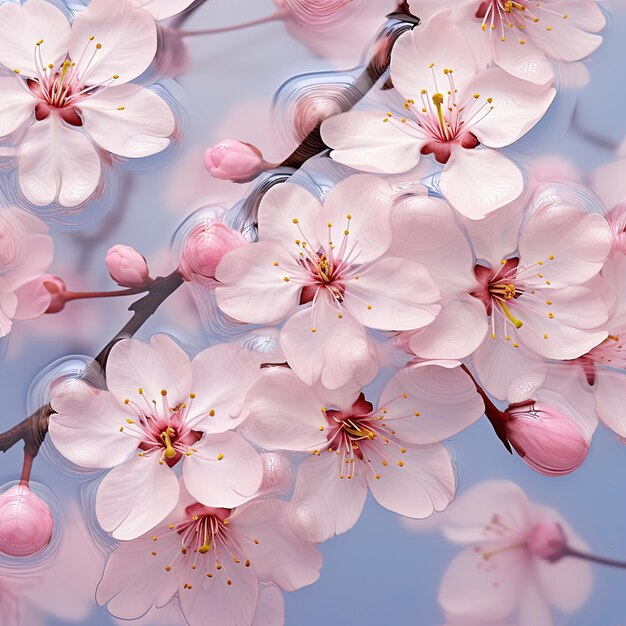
[358, 314]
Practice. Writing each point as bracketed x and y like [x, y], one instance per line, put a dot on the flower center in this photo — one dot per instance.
[61, 88]
[506, 17]
[207, 543]
[445, 115]
[163, 429]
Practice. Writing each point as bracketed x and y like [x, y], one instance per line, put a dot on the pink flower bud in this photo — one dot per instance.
[55, 286]
[547, 541]
[278, 473]
[235, 160]
[548, 441]
[25, 522]
[204, 248]
[127, 267]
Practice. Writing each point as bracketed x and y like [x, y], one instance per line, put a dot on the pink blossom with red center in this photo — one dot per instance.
[70, 94]
[523, 37]
[451, 105]
[511, 568]
[161, 409]
[329, 270]
[215, 560]
[392, 451]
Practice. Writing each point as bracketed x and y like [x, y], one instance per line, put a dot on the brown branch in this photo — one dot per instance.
[32, 431]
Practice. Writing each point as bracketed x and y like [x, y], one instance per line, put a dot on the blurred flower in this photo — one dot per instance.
[160, 408]
[511, 565]
[67, 92]
[25, 254]
[127, 267]
[204, 248]
[25, 522]
[162, 9]
[235, 160]
[488, 107]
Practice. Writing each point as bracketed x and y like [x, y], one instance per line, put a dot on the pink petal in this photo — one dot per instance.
[284, 413]
[136, 496]
[323, 504]
[254, 288]
[226, 470]
[338, 352]
[17, 105]
[440, 403]
[23, 25]
[477, 182]
[425, 482]
[158, 366]
[440, 42]
[280, 556]
[162, 9]
[57, 162]
[368, 200]
[362, 140]
[86, 426]
[142, 127]
[527, 62]
[270, 607]
[128, 37]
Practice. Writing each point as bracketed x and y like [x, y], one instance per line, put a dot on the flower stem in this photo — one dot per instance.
[68, 296]
[594, 559]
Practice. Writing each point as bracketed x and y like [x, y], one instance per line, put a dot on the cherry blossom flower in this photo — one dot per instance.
[510, 567]
[330, 271]
[451, 107]
[69, 101]
[25, 254]
[524, 38]
[392, 451]
[161, 408]
[215, 560]
[530, 279]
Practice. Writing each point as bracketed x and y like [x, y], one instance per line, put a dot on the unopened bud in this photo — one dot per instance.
[204, 248]
[548, 440]
[127, 267]
[235, 160]
[547, 541]
[55, 286]
[25, 522]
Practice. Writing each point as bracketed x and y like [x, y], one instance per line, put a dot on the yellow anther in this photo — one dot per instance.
[212, 413]
[121, 108]
[163, 392]
[220, 457]
[286, 279]
[313, 330]
[98, 46]
[401, 463]
[192, 395]
[116, 76]
[545, 336]
[276, 263]
[167, 568]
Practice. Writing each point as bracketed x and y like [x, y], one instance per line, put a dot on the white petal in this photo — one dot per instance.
[141, 128]
[162, 9]
[393, 294]
[17, 104]
[57, 162]
[477, 182]
[128, 37]
[524, 61]
[226, 470]
[362, 140]
[136, 496]
[22, 26]
[86, 426]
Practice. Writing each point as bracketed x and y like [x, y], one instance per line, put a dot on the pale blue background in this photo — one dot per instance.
[380, 573]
